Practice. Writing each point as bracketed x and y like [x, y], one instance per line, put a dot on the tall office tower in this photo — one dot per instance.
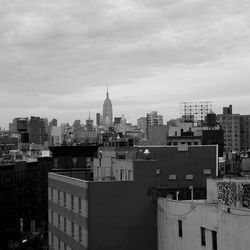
[44, 129]
[90, 124]
[38, 133]
[107, 112]
[14, 125]
[154, 119]
[231, 126]
[46, 124]
[245, 132]
[142, 124]
[98, 119]
[77, 125]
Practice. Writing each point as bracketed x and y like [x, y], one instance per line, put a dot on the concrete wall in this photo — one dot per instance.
[232, 225]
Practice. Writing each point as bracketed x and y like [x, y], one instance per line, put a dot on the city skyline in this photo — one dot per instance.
[58, 57]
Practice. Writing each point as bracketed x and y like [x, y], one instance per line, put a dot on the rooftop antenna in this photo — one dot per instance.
[107, 90]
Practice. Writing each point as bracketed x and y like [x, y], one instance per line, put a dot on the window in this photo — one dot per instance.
[52, 217]
[121, 156]
[72, 202]
[180, 228]
[172, 177]
[64, 199]
[189, 177]
[65, 246]
[51, 193]
[59, 244]
[79, 205]
[52, 240]
[64, 224]
[121, 174]
[72, 229]
[58, 218]
[80, 234]
[129, 175]
[58, 196]
[203, 236]
[206, 171]
[214, 240]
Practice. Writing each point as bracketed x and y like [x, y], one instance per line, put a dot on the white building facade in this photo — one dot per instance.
[207, 224]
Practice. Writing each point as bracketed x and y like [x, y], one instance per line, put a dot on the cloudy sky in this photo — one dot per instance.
[57, 56]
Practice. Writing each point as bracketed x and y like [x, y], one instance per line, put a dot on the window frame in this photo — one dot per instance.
[180, 228]
[203, 236]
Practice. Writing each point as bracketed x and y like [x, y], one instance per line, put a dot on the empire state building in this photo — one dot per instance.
[107, 112]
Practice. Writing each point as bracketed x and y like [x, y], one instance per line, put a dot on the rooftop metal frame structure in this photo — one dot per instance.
[195, 111]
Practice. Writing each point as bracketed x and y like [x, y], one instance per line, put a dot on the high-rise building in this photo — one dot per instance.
[142, 124]
[89, 124]
[245, 132]
[98, 119]
[107, 112]
[153, 119]
[77, 125]
[231, 126]
[38, 133]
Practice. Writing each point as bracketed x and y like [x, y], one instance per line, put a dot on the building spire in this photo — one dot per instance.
[107, 91]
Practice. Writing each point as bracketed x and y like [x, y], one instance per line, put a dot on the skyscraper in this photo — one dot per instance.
[38, 133]
[107, 112]
[231, 126]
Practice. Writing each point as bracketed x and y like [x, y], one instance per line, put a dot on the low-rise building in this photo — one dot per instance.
[220, 222]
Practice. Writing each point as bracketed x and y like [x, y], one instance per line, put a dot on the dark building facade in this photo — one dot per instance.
[98, 119]
[38, 133]
[23, 198]
[13, 201]
[74, 157]
[245, 132]
[37, 176]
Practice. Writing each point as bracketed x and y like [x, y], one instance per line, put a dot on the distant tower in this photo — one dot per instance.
[107, 111]
[90, 124]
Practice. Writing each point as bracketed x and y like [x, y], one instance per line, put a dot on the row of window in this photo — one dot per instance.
[64, 201]
[64, 226]
[183, 142]
[125, 175]
[190, 176]
[61, 245]
[203, 235]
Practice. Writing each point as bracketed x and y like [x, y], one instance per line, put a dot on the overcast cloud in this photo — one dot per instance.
[56, 57]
